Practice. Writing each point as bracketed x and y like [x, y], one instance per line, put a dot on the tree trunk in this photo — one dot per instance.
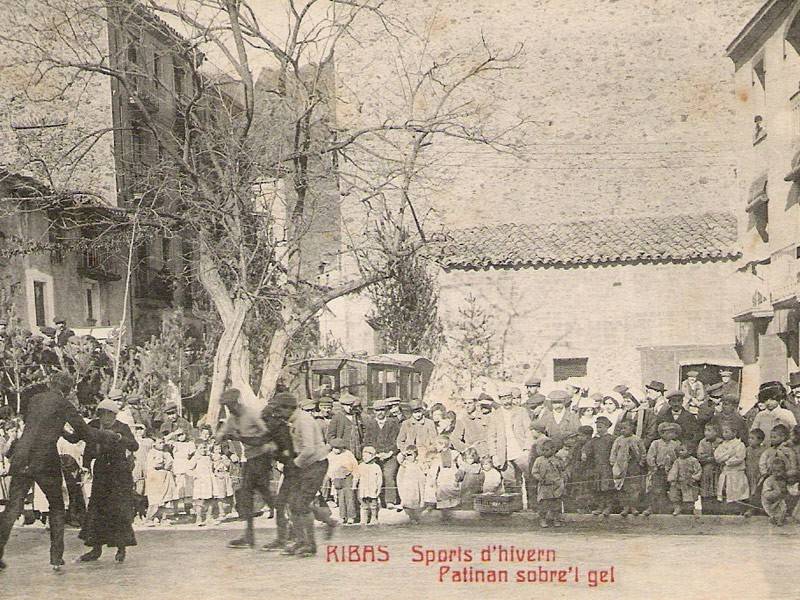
[227, 360]
[273, 363]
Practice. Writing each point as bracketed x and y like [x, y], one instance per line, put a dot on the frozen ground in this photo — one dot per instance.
[664, 557]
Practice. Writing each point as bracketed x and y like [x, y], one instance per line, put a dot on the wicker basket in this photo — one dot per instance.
[498, 504]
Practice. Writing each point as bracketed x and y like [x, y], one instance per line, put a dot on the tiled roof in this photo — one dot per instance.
[668, 238]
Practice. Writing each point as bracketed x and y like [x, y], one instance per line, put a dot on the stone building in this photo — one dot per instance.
[93, 141]
[766, 58]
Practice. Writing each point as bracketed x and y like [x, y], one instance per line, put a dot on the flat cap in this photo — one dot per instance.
[621, 388]
[730, 399]
[337, 443]
[536, 400]
[726, 372]
[349, 399]
[380, 405]
[230, 396]
[114, 394]
[532, 381]
[415, 405]
[559, 396]
[675, 394]
[285, 399]
[308, 404]
[665, 426]
[109, 405]
[392, 401]
[692, 374]
[171, 407]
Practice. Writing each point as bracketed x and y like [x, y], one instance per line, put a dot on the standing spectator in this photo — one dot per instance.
[729, 417]
[509, 440]
[442, 481]
[381, 433]
[683, 477]
[201, 471]
[772, 394]
[557, 420]
[411, 483]
[548, 472]
[532, 386]
[711, 469]
[418, 431]
[62, 332]
[182, 451]
[342, 467]
[139, 472]
[172, 421]
[159, 482]
[598, 453]
[369, 480]
[730, 387]
[655, 396]
[347, 425]
[660, 457]
[755, 448]
[222, 484]
[792, 402]
[469, 429]
[730, 454]
[627, 466]
[675, 413]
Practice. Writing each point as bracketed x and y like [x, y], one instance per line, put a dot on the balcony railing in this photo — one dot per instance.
[95, 264]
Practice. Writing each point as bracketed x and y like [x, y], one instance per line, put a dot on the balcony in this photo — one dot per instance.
[143, 88]
[94, 265]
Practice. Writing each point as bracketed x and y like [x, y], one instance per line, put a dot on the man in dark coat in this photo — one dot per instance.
[348, 424]
[674, 412]
[381, 433]
[35, 459]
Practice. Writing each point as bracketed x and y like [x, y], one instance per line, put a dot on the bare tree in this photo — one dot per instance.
[250, 164]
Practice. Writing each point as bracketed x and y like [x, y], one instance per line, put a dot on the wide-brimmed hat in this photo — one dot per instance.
[657, 386]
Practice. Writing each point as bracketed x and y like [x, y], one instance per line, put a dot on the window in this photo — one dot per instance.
[89, 305]
[165, 250]
[39, 288]
[178, 75]
[564, 368]
[132, 54]
[759, 100]
[157, 70]
[137, 143]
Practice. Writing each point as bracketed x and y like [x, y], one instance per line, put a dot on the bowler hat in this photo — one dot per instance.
[657, 386]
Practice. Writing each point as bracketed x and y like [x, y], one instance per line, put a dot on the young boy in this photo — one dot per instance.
[580, 490]
[711, 469]
[777, 437]
[755, 448]
[369, 480]
[774, 492]
[627, 464]
[730, 454]
[548, 472]
[411, 483]
[341, 467]
[660, 457]
[683, 477]
[598, 451]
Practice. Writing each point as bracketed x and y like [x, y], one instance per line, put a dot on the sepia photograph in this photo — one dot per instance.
[399, 299]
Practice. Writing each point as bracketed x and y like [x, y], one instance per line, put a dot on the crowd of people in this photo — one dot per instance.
[572, 450]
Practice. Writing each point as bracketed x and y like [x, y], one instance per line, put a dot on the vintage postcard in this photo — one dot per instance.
[399, 298]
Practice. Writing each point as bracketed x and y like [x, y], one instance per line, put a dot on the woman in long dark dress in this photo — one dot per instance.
[109, 516]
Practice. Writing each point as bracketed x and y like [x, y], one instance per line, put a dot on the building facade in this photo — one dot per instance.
[766, 58]
[620, 301]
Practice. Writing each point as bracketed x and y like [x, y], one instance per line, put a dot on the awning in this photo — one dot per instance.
[758, 193]
[723, 356]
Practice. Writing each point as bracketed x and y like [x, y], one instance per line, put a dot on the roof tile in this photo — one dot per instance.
[638, 239]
